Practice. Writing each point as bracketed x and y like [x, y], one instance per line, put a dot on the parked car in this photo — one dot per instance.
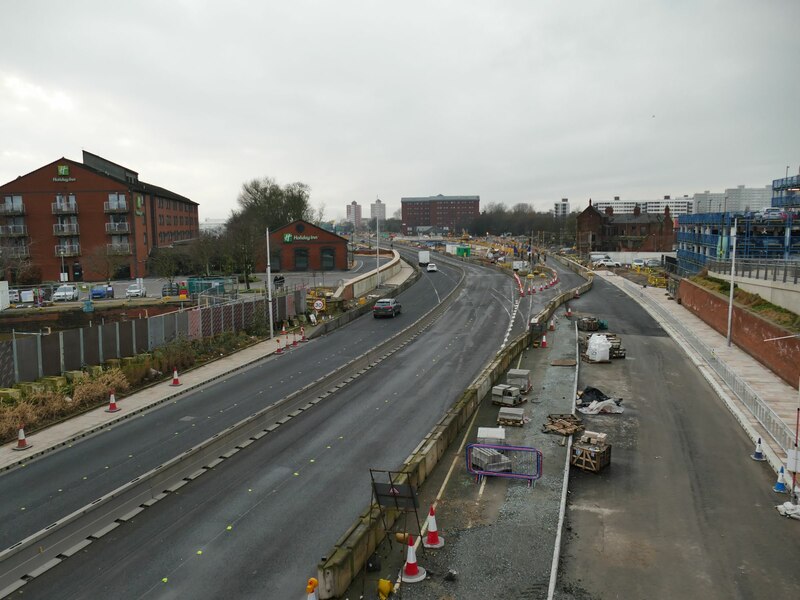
[66, 293]
[135, 290]
[101, 291]
[386, 307]
[772, 212]
[13, 296]
[431, 268]
[607, 262]
[653, 263]
[637, 262]
[170, 289]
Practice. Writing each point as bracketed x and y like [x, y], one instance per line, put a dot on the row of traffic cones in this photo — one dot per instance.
[296, 342]
[780, 486]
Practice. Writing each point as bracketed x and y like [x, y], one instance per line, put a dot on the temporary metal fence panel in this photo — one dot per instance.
[91, 349]
[290, 305]
[155, 326]
[772, 423]
[51, 354]
[170, 321]
[206, 320]
[125, 341]
[181, 324]
[142, 335]
[7, 364]
[108, 335]
[73, 352]
[511, 462]
[27, 358]
[217, 319]
[195, 325]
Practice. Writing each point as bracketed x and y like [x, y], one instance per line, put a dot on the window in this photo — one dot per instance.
[328, 259]
[301, 259]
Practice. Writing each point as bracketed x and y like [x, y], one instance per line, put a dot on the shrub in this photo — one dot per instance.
[137, 371]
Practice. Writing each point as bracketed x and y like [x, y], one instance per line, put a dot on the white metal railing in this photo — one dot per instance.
[14, 230]
[118, 248]
[65, 229]
[119, 206]
[772, 423]
[64, 208]
[16, 251]
[17, 208]
[67, 249]
[117, 227]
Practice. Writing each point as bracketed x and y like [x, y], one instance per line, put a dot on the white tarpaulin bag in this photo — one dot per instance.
[599, 347]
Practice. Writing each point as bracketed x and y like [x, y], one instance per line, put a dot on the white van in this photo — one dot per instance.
[594, 257]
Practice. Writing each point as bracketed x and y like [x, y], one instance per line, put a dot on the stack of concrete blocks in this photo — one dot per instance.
[511, 416]
[496, 436]
[489, 459]
[505, 395]
[520, 378]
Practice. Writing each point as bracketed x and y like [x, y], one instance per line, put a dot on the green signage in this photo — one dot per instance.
[288, 238]
[63, 169]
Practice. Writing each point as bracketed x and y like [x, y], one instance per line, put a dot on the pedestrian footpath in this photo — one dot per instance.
[724, 367]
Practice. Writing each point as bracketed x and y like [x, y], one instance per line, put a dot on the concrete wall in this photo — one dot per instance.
[782, 294]
[363, 284]
[748, 330]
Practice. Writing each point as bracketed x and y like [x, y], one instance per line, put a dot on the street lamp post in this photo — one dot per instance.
[269, 289]
[378, 246]
[61, 277]
[733, 263]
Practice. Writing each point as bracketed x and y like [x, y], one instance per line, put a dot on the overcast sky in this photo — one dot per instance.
[516, 101]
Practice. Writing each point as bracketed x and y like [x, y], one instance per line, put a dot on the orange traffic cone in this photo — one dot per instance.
[22, 442]
[412, 573]
[311, 588]
[175, 381]
[544, 341]
[112, 403]
[433, 540]
[303, 334]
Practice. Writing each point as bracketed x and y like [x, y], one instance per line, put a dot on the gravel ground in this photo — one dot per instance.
[499, 541]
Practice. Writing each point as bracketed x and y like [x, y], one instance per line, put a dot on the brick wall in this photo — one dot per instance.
[748, 330]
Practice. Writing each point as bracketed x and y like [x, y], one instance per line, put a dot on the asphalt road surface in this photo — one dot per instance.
[53, 486]
[682, 512]
[257, 525]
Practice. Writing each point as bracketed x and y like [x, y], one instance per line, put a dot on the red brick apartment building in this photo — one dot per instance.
[86, 216]
[438, 214]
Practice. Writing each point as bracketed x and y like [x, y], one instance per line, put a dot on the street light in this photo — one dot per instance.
[61, 253]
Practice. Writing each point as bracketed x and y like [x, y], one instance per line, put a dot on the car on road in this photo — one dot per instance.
[607, 262]
[431, 268]
[66, 293]
[101, 291]
[135, 290]
[386, 307]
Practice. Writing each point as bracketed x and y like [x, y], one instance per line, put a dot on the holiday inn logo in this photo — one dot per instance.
[288, 238]
[63, 170]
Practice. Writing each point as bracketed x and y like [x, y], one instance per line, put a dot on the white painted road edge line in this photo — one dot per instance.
[564, 488]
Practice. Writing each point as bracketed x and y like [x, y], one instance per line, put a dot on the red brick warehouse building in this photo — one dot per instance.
[91, 217]
[302, 246]
[438, 214]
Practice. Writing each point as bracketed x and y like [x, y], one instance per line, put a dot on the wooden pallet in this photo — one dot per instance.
[509, 422]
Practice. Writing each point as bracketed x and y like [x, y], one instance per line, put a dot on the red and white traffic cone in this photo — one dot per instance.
[280, 349]
[288, 344]
[112, 403]
[283, 329]
[311, 588]
[569, 311]
[22, 441]
[433, 539]
[544, 341]
[175, 381]
[577, 295]
[412, 573]
[294, 338]
[303, 337]
[552, 325]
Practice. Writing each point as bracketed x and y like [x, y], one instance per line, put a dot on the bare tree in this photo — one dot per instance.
[165, 263]
[100, 262]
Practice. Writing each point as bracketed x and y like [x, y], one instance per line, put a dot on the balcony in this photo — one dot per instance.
[112, 228]
[118, 249]
[13, 230]
[18, 208]
[64, 208]
[15, 251]
[66, 229]
[115, 207]
[67, 250]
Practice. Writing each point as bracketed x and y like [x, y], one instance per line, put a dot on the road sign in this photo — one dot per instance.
[319, 304]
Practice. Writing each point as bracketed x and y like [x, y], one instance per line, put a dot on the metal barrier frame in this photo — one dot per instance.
[531, 479]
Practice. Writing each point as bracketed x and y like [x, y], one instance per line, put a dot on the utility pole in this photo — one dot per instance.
[269, 289]
[378, 246]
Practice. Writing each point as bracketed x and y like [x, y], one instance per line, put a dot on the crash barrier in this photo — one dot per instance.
[512, 462]
[35, 356]
[358, 286]
[772, 423]
[100, 516]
